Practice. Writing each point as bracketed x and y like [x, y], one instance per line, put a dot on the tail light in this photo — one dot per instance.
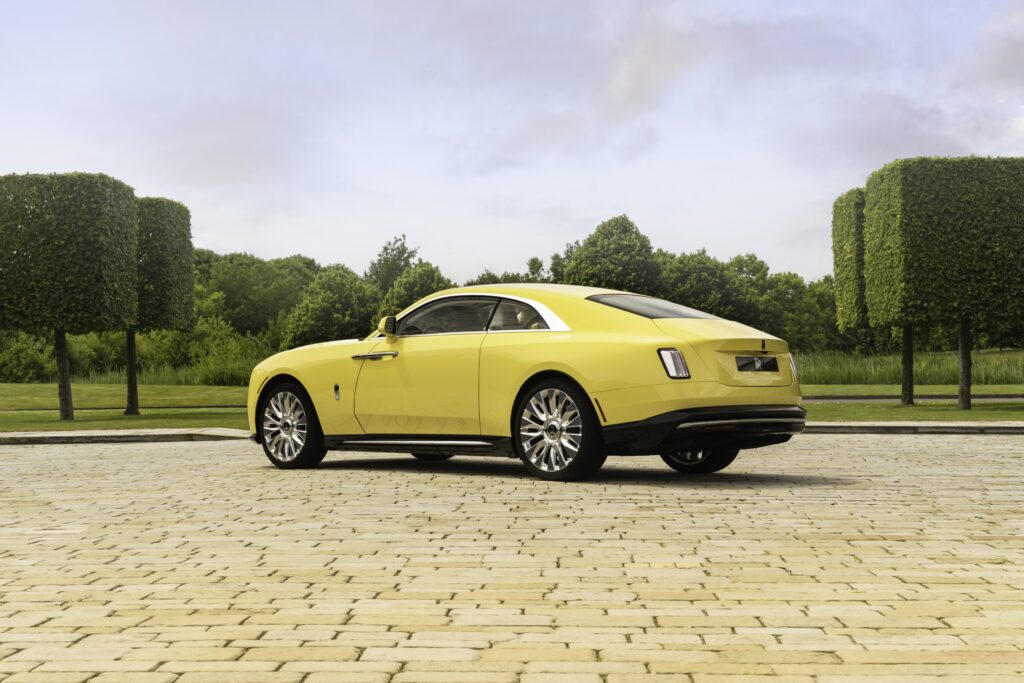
[675, 364]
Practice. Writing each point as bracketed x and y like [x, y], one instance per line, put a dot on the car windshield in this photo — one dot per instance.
[648, 306]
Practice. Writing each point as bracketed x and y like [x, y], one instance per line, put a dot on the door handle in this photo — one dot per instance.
[375, 356]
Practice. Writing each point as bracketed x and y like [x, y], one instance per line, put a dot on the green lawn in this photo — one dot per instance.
[14, 398]
[945, 410]
[894, 389]
[49, 420]
[22, 396]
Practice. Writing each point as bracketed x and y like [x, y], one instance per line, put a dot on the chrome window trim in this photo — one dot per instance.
[554, 323]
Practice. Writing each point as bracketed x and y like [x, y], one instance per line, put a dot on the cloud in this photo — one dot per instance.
[997, 67]
[618, 69]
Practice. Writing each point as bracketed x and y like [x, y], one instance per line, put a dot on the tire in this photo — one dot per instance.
[433, 457]
[551, 418]
[700, 461]
[290, 430]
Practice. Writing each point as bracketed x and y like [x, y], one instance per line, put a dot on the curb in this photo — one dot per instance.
[961, 428]
[121, 407]
[123, 436]
[115, 436]
[922, 397]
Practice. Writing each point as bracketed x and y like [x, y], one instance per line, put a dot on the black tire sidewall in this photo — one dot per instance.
[718, 459]
[433, 457]
[591, 455]
[313, 450]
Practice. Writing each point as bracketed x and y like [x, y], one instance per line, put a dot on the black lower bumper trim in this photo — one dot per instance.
[725, 426]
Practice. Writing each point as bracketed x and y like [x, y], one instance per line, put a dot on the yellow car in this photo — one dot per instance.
[556, 375]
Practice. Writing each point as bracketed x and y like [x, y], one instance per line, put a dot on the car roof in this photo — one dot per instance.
[540, 291]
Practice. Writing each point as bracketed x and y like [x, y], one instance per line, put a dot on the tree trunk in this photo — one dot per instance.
[60, 350]
[133, 379]
[907, 378]
[964, 401]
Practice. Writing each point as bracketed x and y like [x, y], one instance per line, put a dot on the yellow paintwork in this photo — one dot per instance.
[467, 383]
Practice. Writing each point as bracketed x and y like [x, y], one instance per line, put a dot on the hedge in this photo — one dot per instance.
[166, 279]
[848, 259]
[67, 253]
[944, 240]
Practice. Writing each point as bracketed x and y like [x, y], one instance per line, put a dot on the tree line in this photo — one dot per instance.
[243, 308]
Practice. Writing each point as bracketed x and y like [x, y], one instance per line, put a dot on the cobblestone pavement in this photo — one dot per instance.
[830, 558]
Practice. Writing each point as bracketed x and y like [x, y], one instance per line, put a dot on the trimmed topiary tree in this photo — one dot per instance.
[67, 260]
[848, 259]
[944, 244]
[165, 278]
[617, 256]
[848, 265]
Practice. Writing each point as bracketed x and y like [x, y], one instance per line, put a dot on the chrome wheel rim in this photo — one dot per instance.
[284, 426]
[689, 457]
[551, 430]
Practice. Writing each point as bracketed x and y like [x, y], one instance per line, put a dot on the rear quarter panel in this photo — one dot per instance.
[599, 362]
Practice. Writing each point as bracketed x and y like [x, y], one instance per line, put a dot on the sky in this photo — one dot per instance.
[490, 132]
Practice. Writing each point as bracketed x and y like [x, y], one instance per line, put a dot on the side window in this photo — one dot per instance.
[514, 315]
[448, 315]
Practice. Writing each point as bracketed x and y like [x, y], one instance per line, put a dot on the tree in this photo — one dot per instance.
[556, 270]
[67, 260]
[703, 282]
[338, 304]
[166, 278]
[617, 256]
[257, 291]
[422, 279]
[534, 273]
[848, 265]
[394, 258]
[944, 244]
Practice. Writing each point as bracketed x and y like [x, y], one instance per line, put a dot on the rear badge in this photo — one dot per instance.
[757, 363]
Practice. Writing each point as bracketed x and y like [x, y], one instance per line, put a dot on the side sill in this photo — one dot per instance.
[421, 443]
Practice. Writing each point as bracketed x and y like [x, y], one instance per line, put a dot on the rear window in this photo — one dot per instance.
[648, 306]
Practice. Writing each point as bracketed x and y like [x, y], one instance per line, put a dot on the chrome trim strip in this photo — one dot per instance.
[416, 442]
[747, 421]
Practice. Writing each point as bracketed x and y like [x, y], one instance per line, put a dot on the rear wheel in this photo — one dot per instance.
[432, 457]
[700, 461]
[291, 433]
[555, 432]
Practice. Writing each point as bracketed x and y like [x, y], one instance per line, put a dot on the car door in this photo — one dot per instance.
[426, 381]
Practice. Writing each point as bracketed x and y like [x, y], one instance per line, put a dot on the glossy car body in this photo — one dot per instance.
[456, 392]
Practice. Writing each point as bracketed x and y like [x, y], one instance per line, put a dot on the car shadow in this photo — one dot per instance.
[615, 471]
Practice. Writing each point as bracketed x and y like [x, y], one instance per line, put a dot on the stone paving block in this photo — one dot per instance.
[829, 558]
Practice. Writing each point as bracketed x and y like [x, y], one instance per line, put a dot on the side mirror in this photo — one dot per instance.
[388, 326]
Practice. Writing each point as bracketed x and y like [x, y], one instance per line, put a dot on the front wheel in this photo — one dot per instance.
[700, 461]
[290, 429]
[555, 432]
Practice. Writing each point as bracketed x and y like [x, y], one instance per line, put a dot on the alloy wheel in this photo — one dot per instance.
[284, 426]
[551, 430]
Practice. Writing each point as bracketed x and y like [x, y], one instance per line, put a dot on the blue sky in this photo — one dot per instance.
[490, 132]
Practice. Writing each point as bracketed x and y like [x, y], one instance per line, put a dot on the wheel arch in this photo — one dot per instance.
[275, 381]
[537, 377]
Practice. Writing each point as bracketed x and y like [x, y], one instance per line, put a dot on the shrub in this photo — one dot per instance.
[25, 358]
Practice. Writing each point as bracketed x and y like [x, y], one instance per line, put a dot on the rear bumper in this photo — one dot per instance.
[722, 426]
